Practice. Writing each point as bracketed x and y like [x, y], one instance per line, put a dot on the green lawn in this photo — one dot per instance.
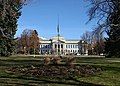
[109, 75]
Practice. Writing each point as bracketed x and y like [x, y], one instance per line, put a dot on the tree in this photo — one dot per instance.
[34, 42]
[28, 43]
[9, 14]
[98, 41]
[99, 47]
[87, 37]
[25, 41]
[113, 42]
[108, 14]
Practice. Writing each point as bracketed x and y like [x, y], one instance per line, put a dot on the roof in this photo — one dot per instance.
[45, 41]
[61, 39]
[72, 41]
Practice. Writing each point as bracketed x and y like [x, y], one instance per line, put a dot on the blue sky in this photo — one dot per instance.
[42, 15]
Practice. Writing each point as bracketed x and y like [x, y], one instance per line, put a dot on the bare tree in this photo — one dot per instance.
[102, 11]
[87, 37]
[107, 12]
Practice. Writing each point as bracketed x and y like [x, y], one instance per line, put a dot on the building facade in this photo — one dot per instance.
[59, 46]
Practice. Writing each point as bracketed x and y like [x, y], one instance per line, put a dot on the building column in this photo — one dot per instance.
[60, 48]
[57, 49]
[64, 49]
[52, 48]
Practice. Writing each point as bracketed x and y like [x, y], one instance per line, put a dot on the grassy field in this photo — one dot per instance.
[108, 76]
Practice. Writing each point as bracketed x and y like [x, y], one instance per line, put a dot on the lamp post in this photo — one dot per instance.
[34, 52]
[24, 50]
[34, 49]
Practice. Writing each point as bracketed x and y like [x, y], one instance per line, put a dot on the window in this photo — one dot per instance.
[58, 50]
[46, 46]
[58, 46]
[61, 45]
[49, 46]
[71, 46]
[69, 51]
[66, 46]
[55, 46]
[75, 50]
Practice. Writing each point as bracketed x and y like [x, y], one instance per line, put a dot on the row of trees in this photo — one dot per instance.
[95, 42]
[28, 43]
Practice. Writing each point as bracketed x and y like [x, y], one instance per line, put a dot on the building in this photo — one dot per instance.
[58, 45]
[61, 46]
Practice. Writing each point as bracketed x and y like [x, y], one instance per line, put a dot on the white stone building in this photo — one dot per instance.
[58, 45]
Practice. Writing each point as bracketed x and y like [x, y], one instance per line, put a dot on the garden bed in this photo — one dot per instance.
[56, 71]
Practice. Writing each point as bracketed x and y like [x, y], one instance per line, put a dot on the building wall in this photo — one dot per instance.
[45, 48]
[72, 48]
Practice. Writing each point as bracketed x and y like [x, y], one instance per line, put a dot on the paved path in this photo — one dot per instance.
[63, 55]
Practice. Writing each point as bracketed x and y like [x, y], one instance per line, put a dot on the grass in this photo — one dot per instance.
[109, 75]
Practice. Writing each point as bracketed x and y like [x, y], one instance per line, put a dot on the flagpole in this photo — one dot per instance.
[58, 34]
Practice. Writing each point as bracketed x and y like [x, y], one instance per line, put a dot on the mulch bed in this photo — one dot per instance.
[56, 71]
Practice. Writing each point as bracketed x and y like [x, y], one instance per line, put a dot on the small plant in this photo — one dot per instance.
[57, 60]
[70, 61]
[47, 61]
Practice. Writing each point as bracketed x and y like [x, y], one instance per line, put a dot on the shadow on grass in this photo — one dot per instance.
[108, 67]
[45, 81]
[10, 63]
[10, 84]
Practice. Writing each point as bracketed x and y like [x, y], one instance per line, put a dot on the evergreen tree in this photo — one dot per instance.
[9, 14]
[113, 42]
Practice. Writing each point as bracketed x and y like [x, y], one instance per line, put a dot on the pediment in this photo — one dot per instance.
[56, 41]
